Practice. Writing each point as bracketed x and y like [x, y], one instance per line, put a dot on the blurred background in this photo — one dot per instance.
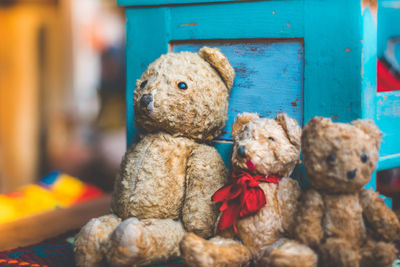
[62, 89]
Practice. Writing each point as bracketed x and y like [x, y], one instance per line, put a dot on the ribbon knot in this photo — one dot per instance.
[241, 197]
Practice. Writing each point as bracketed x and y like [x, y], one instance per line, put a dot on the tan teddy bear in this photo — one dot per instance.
[260, 201]
[346, 224]
[166, 180]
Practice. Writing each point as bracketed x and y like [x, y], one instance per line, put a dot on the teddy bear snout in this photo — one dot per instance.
[241, 151]
[145, 100]
[351, 174]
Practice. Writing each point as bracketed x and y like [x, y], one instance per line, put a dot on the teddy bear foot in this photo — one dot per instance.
[379, 254]
[90, 242]
[143, 242]
[339, 252]
[288, 253]
[218, 251]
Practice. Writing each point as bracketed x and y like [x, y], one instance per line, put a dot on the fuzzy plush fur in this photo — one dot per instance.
[346, 224]
[273, 146]
[166, 180]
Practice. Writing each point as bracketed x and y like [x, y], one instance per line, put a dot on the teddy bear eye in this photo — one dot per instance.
[143, 84]
[182, 85]
[271, 138]
[364, 158]
[331, 159]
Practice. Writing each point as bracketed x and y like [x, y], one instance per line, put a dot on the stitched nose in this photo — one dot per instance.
[145, 100]
[351, 174]
[241, 151]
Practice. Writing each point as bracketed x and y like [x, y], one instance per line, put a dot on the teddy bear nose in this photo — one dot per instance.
[351, 174]
[241, 151]
[145, 100]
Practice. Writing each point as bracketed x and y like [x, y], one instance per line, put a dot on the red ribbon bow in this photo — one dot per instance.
[242, 196]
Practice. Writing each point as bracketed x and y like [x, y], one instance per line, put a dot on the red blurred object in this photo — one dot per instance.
[387, 80]
[91, 192]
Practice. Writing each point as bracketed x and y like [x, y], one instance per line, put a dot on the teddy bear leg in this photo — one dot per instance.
[286, 253]
[218, 251]
[139, 242]
[380, 254]
[338, 252]
[89, 242]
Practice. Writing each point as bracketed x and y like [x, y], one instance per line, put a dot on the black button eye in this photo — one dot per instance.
[271, 138]
[331, 159]
[364, 158]
[182, 85]
[143, 84]
[241, 151]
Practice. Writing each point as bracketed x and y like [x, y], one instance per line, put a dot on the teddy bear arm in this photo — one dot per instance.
[308, 227]
[205, 174]
[381, 219]
[119, 200]
[288, 198]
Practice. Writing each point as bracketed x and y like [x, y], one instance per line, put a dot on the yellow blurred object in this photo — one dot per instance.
[38, 199]
[29, 200]
[8, 209]
[66, 189]
[56, 190]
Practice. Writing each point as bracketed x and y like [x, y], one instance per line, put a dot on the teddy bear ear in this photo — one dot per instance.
[241, 120]
[291, 127]
[369, 127]
[219, 61]
[313, 125]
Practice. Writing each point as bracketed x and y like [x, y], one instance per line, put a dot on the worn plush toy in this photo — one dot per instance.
[259, 203]
[166, 180]
[344, 223]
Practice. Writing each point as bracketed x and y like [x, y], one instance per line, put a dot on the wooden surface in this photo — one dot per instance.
[35, 229]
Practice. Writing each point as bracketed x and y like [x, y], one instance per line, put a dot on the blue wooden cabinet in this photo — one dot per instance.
[304, 57]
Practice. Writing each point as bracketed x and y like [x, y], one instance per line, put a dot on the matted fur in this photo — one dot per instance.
[344, 223]
[264, 229]
[198, 112]
[166, 180]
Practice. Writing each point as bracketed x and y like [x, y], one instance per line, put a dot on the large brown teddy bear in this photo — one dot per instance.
[166, 180]
[344, 223]
[259, 203]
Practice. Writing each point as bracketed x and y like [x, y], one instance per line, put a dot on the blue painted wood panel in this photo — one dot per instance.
[388, 120]
[266, 82]
[275, 19]
[136, 3]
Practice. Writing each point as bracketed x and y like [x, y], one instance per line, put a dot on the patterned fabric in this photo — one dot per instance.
[53, 252]
[58, 252]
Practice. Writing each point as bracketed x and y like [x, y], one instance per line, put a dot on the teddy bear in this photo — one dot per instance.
[259, 203]
[346, 224]
[166, 179]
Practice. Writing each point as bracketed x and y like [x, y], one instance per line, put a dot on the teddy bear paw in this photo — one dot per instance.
[218, 251]
[124, 248]
[288, 254]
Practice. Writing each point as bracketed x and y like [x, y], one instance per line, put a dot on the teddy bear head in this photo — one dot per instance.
[340, 157]
[185, 94]
[266, 146]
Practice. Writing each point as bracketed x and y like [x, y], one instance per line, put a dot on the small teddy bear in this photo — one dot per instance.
[259, 203]
[166, 180]
[344, 223]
